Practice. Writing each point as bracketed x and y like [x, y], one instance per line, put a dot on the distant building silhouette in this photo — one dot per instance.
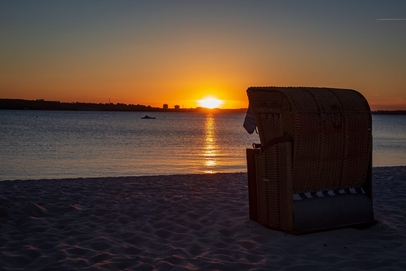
[177, 107]
[165, 106]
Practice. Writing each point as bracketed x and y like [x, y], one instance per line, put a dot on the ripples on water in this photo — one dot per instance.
[389, 140]
[68, 144]
[62, 144]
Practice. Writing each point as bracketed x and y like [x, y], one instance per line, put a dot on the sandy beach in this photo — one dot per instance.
[183, 222]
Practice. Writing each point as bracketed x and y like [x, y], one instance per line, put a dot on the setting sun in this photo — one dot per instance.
[210, 102]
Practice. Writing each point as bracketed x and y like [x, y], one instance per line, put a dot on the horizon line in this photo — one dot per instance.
[124, 104]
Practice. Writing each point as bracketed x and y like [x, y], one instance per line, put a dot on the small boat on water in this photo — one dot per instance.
[146, 117]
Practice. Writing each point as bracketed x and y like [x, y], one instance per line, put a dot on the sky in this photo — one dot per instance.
[178, 52]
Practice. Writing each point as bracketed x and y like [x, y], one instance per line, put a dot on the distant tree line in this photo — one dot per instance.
[40, 104]
[56, 105]
[389, 112]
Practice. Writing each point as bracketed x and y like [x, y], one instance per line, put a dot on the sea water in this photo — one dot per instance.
[71, 144]
[65, 144]
[389, 140]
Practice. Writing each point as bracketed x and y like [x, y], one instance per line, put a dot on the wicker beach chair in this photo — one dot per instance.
[312, 170]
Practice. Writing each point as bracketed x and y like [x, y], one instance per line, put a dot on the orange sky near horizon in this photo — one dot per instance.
[180, 52]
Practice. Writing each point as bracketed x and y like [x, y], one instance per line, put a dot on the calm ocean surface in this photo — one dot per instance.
[70, 144]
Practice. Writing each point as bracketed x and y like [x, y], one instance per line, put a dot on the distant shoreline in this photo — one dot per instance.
[389, 112]
[20, 104]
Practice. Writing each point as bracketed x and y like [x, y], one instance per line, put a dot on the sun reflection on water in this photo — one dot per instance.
[210, 146]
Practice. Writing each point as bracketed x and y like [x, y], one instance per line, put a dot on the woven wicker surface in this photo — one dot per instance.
[330, 130]
[329, 148]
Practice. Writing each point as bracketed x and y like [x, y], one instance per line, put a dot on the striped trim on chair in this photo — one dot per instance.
[327, 193]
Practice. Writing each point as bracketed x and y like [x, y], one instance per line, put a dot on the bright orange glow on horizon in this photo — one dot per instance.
[210, 102]
[140, 52]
